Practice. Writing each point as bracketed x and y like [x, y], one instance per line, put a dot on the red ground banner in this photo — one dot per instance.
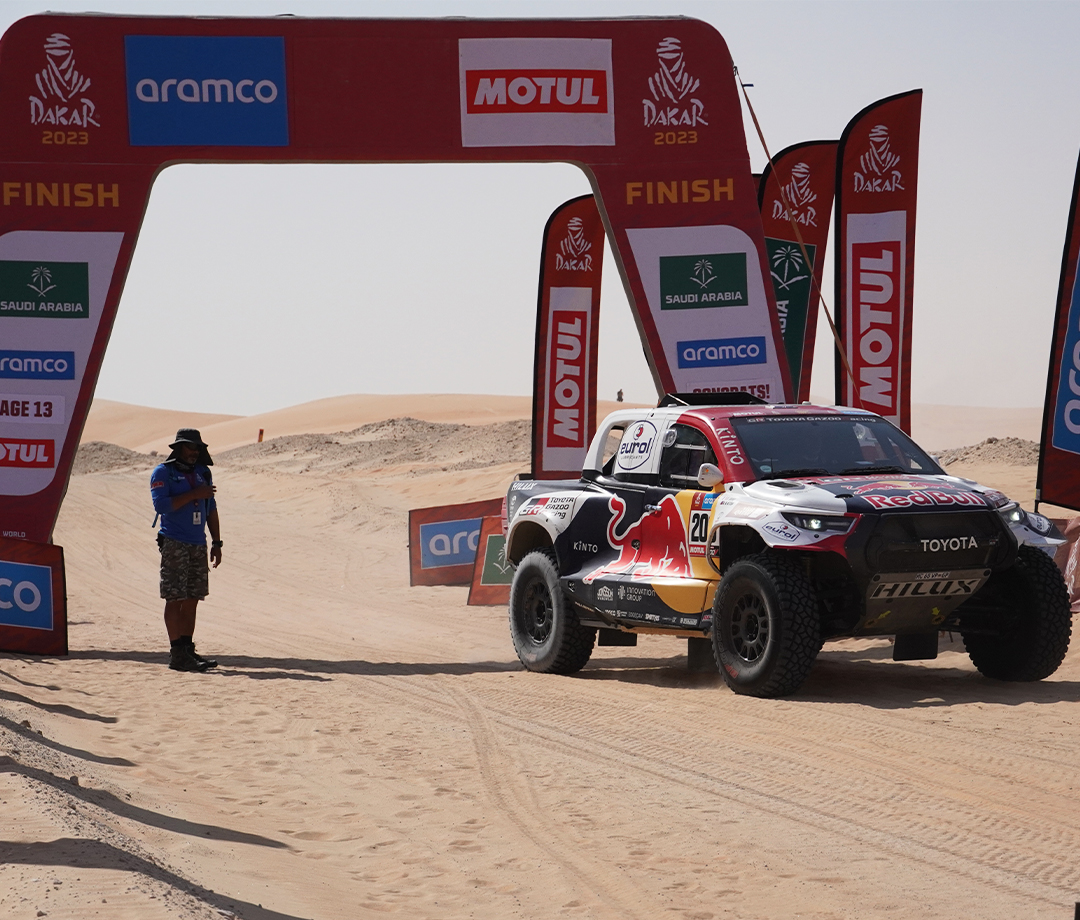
[33, 598]
[443, 541]
[1058, 479]
[492, 574]
[876, 181]
[567, 340]
[806, 175]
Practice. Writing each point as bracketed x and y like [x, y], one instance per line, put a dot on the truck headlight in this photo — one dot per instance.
[1013, 513]
[833, 523]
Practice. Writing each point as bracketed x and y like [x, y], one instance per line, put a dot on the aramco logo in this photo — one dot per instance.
[58, 85]
[800, 198]
[672, 89]
[573, 254]
[877, 167]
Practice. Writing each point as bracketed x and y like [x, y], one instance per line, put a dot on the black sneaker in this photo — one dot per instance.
[182, 659]
[208, 662]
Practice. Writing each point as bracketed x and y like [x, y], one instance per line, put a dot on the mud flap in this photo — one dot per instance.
[615, 637]
[699, 655]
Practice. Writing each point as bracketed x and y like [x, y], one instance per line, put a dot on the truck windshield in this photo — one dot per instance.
[792, 446]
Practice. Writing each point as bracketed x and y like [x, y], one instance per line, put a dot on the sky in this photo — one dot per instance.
[305, 282]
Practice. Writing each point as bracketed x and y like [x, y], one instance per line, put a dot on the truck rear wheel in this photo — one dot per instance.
[1039, 619]
[765, 625]
[543, 624]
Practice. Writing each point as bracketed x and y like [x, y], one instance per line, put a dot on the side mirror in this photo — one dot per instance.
[709, 475]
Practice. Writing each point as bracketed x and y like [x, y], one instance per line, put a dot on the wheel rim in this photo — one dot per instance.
[537, 612]
[749, 630]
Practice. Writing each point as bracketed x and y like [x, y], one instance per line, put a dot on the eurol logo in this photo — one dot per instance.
[206, 91]
[533, 92]
[26, 595]
[636, 445]
[722, 352]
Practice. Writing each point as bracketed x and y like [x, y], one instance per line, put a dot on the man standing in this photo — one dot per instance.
[183, 493]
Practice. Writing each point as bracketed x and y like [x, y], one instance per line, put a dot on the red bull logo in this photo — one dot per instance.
[660, 536]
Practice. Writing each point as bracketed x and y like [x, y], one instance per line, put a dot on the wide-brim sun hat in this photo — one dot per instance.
[191, 436]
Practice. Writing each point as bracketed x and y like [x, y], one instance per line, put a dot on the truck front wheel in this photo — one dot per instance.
[765, 625]
[543, 624]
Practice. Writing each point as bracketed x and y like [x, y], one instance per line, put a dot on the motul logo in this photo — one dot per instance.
[26, 454]
[536, 91]
[567, 379]
[876, 269]
[530, 92]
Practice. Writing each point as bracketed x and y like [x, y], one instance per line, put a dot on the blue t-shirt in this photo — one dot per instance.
[188, 523]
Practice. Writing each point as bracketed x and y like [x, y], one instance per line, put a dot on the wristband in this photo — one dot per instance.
[217, 544]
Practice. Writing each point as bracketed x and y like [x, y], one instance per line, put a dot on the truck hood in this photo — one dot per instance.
[869, 494]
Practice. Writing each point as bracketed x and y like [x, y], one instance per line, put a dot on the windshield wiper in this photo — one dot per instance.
[798, 471]
[887, 468]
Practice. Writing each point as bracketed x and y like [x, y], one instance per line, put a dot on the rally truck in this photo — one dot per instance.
[760, 531]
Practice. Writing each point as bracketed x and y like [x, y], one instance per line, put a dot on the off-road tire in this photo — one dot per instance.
[766, 633]
[543, 623]
[1035, 644]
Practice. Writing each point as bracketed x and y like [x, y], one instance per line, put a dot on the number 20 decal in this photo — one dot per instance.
[699, 526]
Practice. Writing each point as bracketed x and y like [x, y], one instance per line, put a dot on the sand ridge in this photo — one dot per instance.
[368, 748]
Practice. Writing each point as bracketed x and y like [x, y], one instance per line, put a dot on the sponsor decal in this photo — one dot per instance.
[891, 484]
[635, 594]
[567, 358]
[26, 595]
[52, 290]
[929, 497]
[23, 454]
[703, 501]
[747, 511]
[61, 97]
[552, 507]
[949, 544]
[722, 352]
[604, 593]
[41, 410]
[877, 170]
[781, 530]
[800, 197]
[688, 621]
[680, 191]
[730, 445]
[944, 587]
[697, 532]
[636, 445]
[214, 91]
[37, 365]
[1066, 433]
[693, 282]
[580, 546]
[536, 92]
[574, 254]
[60, 194]
[672, 100]
[876, 292]
[444, 543]
[523, 486]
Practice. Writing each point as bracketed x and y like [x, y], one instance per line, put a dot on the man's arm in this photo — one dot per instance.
[215, 536]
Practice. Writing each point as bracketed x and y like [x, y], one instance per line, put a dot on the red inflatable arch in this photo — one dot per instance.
[93, 107]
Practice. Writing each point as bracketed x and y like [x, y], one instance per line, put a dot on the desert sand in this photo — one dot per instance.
[366, 748]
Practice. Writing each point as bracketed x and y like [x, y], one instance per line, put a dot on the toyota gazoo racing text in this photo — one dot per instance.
[765, 530]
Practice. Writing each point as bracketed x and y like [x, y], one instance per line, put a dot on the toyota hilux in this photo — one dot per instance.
[760, 531]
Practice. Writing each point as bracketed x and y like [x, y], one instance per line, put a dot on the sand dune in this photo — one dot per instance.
[366, 748]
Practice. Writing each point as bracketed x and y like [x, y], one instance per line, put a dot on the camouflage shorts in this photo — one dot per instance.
[183, 571]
